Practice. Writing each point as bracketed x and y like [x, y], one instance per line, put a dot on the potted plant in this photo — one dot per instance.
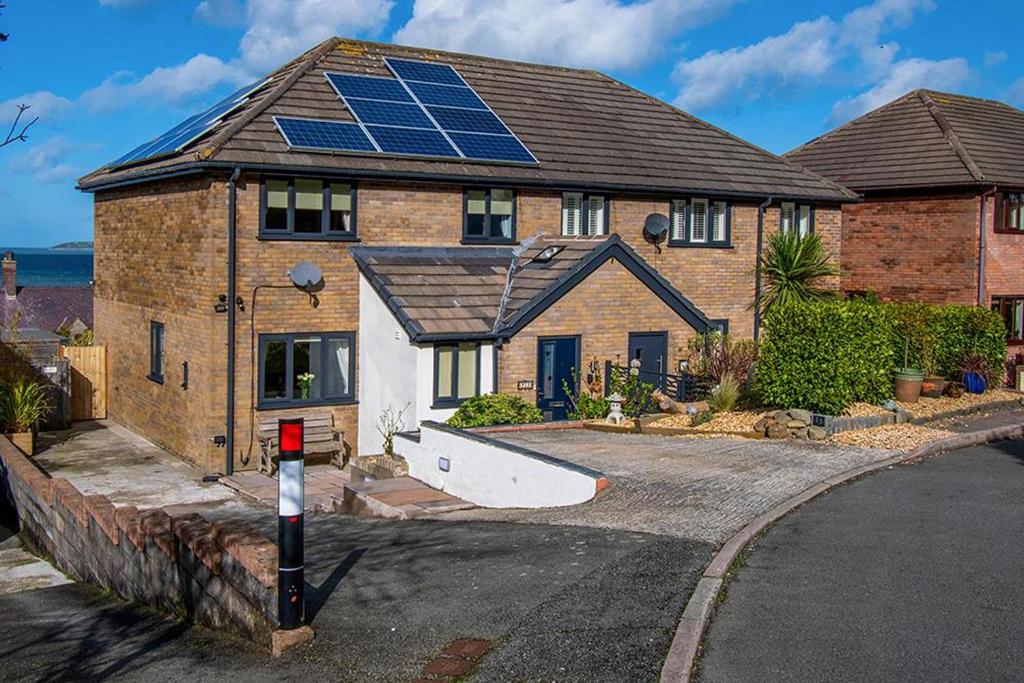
[975, 371]
[908, 379]
[22, 404]
[933, 384]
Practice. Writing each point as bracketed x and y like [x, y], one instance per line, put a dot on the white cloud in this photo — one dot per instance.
[1015, 93]
[602, 34]
[906, 75]
[280, 30]
[46, 105]
[804, 50]
[124, 4]
[994, 58]
[173, 85]
[45, 161]
[810, 53]
[220, 12]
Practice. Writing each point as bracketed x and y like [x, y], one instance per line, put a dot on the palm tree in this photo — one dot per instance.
[792, 267]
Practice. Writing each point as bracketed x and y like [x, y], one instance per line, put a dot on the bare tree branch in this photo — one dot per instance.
[15, 135]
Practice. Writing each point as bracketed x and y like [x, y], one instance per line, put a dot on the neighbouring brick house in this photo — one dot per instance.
[42, 308]
[370, 170]
[942, 221]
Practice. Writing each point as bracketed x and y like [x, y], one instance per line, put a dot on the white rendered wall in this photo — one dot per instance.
[387, 369]
[492, 474]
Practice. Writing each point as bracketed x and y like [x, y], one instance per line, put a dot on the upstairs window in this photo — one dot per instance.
[584, 214]
[156, 352]
[456, 373]
[304, 208]
[799, 217]
[489, 216]
[1011, 308]
[699, 222]
[1010, 213]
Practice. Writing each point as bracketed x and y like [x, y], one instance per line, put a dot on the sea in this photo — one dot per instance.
[52, 267]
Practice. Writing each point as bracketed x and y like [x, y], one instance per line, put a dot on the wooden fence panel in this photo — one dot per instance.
[88, 381]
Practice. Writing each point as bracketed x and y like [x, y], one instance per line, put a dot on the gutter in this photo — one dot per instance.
[983, 241]
[433, 178]
[229, 458]
[757, 264]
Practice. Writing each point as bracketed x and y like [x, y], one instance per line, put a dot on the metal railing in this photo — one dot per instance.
[684, 387]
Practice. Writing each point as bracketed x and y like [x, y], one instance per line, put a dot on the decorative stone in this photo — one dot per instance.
[777, 431]
[761, 426]
[800, 433]
[801, 415]
[816, 434]
[795, 424]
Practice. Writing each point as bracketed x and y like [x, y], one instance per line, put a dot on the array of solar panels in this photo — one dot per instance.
[190, 129]
[426, 110]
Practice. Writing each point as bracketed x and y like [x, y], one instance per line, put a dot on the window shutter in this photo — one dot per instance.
[595, 215]
[786, 216]
[678, 222]
[698, 220]
[805, 220]
[571, 206]
[718, 210]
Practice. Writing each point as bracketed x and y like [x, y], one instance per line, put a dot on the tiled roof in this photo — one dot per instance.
[47, 308]
[923, 139]
[586, 129]
[456, 292]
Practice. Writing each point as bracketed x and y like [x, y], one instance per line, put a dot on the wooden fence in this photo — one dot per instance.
[88, 381]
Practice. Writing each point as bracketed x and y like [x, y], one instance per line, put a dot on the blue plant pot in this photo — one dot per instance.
[975, 383]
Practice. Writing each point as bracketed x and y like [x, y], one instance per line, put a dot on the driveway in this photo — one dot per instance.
[703, 489]
[913, 573]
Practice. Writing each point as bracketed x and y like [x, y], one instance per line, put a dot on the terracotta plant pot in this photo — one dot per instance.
[908, 385]
[25, 441]
[933, 386]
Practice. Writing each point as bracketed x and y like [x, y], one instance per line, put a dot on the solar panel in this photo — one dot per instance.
[190, 129]
[369, 87]
[412, 141]
[409, 70]
[469, 120]
[492, 147]
[319, 134]
[390, 113]
[446, 95]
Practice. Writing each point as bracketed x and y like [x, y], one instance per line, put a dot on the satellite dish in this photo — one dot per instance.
[656, 228]
[307, 276]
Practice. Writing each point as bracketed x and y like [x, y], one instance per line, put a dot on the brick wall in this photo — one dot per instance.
[222, 574]
[1004, 258]
[603, 310]
[922, 248]
[161, 252]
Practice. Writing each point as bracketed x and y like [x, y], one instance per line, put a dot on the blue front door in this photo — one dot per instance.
[557, 357]
[651, 349]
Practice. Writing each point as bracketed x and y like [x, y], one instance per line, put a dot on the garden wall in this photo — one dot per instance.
[222, 575]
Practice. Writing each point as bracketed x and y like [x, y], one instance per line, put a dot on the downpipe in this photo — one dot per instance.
[229, 456]
[983, 240]
[757, 265]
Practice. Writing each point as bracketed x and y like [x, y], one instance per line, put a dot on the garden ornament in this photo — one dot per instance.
[615, 415]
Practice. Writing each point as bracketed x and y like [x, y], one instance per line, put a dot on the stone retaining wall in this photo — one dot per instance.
[221, 574]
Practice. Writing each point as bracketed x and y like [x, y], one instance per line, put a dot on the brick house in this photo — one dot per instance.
[942, 181]
[362, 159]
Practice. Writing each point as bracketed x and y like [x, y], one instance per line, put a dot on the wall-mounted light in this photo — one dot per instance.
[222, 304]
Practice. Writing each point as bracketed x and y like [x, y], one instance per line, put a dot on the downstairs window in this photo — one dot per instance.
[306, 369]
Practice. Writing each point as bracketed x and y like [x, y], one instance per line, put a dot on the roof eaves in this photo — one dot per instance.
[954, 140]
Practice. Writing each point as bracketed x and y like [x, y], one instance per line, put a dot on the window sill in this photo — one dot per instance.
[484, 241]
[292, 237]
[1003, 231]
[158, 379]
[700, 245]
[285, 405]
[447, 405]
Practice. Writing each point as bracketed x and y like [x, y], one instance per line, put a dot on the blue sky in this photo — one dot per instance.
[105, 75]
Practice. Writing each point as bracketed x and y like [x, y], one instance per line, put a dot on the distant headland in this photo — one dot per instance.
[72, 245]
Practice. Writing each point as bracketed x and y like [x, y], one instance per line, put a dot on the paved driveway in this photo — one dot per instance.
[911, 574]
[703, 489]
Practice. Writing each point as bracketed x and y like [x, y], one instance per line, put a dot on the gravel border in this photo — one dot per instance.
[678, 665]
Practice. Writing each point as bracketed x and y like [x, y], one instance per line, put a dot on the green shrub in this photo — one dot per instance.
[22, 404]
[825, 355]
[960, 331]
[724, 397]
[494, 409]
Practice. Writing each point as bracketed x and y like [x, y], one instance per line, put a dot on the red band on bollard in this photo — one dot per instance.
[291, 436]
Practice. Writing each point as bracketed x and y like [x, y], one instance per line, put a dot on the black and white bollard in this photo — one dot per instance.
[290, 482]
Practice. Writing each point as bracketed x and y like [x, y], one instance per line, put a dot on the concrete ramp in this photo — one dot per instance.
[491, 473]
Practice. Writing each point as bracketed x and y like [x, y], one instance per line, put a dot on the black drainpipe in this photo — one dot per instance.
[229, 457]
[757, 266]
[983, 242]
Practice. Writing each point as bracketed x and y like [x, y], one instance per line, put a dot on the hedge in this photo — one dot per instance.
[494, 409]
[825, 355]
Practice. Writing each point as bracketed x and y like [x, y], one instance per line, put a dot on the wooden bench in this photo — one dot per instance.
[322, 443]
